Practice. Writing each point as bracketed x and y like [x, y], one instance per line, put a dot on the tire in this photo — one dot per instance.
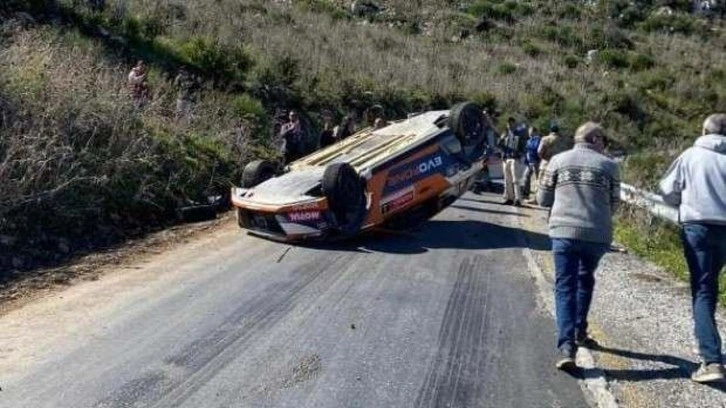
[256, 172]
[467, 121]
[345, 191]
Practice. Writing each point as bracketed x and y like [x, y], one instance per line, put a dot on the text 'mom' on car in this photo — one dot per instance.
[398, 175]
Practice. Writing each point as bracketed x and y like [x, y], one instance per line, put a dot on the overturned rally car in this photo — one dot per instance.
[392, 177]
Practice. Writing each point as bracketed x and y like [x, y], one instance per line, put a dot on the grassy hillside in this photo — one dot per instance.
[81, 167]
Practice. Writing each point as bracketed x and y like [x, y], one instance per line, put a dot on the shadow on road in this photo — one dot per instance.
[441, 234]
[487, 210]
[681, 368]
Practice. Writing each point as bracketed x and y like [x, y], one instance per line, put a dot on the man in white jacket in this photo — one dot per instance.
[696, 183]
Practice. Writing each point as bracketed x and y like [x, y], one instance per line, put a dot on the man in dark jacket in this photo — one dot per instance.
[582, 187]
[293, 138]
[696, 184]
[511, 143]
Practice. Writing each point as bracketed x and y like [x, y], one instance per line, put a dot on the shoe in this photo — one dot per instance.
[584, 340]
[517, 203]
[708, 373]
[508, 202]
[566, 361]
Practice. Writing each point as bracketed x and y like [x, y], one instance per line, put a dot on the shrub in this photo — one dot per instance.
[531, 49]
[506, 68]
[613, 58]
[507, 11]
[225, 63]
[571, 61]
[641, 62]
[675, 23]
[248, 107]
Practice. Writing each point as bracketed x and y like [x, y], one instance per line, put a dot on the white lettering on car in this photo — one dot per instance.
[304, 216]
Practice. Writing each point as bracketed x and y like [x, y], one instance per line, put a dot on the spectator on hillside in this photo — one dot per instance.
[187, 85]
[345, 129]
[293, 138]
[326, 136]
[550, 146]
[137, 84]
[511, 143]
[531, 160]
[696, 184]
[582, 187]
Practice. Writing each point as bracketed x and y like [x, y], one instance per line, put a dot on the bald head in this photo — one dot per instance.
[715, 124]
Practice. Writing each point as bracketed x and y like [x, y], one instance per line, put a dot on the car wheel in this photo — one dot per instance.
[345, 191]
[467, 121]
[256, 172]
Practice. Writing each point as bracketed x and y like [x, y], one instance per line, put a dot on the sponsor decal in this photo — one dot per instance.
[397, 200]
[305, 207]
[412, 172]
[303, 216]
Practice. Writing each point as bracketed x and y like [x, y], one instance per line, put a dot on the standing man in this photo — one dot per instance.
[531, 160]
[511, 142]
[345, 129]
[582, 187]
[293, 137]
[326, 135]
[550, 146]
[137, 84]
[696, 183]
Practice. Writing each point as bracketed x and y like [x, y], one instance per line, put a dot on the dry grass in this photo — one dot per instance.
[74, 152]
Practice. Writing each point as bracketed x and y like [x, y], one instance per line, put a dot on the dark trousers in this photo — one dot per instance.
[575, 265]
[704, 246]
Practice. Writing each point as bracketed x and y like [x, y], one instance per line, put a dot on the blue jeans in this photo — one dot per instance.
[575, 265]
[704, 246]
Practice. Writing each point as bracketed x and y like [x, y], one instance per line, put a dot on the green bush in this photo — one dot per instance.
[531, 49]
[675, 23]
[641, 62]
[225, 63]
[506, 68]
[248, 107]
[613, 58]
[571, 61]
[325, 7]
[563, 35]
[508, 10]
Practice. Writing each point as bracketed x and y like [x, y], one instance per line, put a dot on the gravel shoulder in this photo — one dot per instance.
[641, 318]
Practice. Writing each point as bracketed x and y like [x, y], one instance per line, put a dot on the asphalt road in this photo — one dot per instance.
[442, 316]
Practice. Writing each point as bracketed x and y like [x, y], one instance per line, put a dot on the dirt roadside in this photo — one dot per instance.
[30, 285]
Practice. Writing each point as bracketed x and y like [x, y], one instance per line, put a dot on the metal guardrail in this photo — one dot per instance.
[649, 201]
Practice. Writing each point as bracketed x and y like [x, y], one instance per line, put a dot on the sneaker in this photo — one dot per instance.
[566, 361]
[709, 373]
[584, 340]
[508, 202]
[517, 203]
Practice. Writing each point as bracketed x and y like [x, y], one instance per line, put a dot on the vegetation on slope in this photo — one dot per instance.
[81, 167]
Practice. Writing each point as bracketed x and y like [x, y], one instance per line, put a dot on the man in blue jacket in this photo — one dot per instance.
[531, 160]
[696, 184]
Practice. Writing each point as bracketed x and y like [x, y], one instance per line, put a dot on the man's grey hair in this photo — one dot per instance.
[588, 132]
[715, 124]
